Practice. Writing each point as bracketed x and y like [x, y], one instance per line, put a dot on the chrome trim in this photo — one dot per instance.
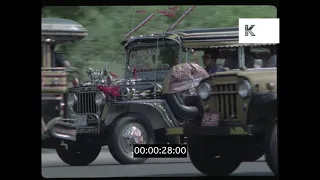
[165, 111]
[63, 136]
[83, 105]
[133, 134]
[68, 123]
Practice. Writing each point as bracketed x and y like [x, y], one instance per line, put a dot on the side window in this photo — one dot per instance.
[231, 59]
[263, 57]
[43, 50]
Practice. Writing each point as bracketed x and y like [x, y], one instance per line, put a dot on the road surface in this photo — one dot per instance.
[106, 166]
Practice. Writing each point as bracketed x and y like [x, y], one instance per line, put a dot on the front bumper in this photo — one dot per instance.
[60, 128]
[192, 130]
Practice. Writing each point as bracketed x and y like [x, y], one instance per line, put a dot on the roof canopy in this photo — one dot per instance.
[62, 30]
[212, 38]
[197, 38]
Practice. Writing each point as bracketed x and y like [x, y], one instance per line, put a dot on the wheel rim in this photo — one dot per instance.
[132, 134]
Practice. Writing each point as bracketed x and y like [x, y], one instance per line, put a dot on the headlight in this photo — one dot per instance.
[204, 90]
[192, 91]
[72, 99]
[244, 88]
[100, 98]
[128, 93]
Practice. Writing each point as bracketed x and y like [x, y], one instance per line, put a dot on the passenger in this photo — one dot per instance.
[209, 61]
[57, 60]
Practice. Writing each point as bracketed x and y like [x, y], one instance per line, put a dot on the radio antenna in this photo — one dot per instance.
[139, 26]
[181, 18]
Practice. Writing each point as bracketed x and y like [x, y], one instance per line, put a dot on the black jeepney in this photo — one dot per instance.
[139, 108]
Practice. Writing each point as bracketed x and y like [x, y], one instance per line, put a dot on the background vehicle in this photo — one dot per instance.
[136, 109]
[238, 107]
[54, 80]
[55, 128]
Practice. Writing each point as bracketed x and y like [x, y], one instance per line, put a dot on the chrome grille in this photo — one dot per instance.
[86, 101]
[225, 98]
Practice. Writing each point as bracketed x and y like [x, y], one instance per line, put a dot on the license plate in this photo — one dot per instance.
[82, 120]
[210, 119]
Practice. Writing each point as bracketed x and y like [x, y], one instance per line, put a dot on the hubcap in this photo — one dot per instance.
[133, 134]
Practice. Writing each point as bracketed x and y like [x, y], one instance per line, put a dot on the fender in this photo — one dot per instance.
[156, 111]
[262, 107]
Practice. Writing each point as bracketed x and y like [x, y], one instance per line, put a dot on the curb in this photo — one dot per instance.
[46, 151]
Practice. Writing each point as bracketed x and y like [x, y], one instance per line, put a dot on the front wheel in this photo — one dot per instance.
[272, 149]
[253, 153]
[79, 155]
[216, 160]
[126, 132]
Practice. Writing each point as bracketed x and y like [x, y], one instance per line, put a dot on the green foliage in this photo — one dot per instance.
[107, 26]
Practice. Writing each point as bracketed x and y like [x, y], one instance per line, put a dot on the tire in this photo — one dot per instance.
[216, 161]
[254, 153]
[117, 141]
[272, 149]
[79, 156]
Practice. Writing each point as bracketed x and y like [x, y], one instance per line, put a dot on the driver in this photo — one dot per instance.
[209, 61]
[57, 60]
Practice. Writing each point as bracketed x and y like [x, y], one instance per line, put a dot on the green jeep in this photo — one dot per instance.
[237, 107]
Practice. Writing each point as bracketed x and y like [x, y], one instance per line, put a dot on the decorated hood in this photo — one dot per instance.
[185, 76]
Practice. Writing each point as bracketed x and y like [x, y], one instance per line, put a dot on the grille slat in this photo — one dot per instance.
[226, 100]
[86, 102]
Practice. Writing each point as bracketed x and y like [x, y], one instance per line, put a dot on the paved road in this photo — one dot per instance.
[106, 166]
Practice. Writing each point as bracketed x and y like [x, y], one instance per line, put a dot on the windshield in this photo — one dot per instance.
[147, 60]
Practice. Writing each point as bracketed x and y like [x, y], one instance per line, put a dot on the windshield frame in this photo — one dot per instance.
[158, 42]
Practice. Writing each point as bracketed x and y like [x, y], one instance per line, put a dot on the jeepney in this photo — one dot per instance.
[54, 127]
[135, 109]
[238, 107]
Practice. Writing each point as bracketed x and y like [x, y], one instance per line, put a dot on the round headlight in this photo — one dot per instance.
[128, 93]
[244, 88]
[72, 99]
[192, 91]
[204, 90]
[100, 98]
